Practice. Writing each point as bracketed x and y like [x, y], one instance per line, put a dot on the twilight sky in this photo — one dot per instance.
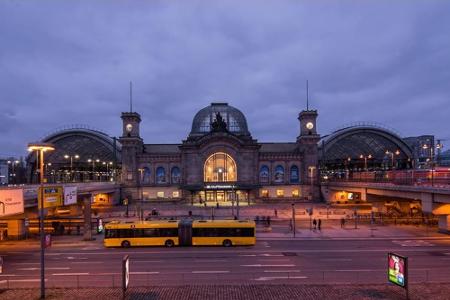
[70, 62]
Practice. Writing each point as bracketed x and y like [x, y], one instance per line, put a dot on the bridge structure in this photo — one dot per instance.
[88, 193]
[432, 199]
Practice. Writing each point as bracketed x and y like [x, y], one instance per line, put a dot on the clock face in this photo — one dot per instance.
[129, 127]
[309, 125]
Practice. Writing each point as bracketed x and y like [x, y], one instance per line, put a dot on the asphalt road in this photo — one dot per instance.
[270, 261]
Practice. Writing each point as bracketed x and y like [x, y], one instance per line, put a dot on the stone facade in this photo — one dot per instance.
[263, 170]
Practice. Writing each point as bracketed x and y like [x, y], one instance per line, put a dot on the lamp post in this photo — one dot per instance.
[93, 161]
[141, 211]
[397, 152]
[40, 148]
[13, 173]
[425, 147]
[71, 157]
[365, 157]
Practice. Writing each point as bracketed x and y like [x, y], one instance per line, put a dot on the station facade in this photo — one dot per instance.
[220, 161]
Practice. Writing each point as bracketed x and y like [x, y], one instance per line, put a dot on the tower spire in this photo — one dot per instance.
[131, 96]
[307, 95]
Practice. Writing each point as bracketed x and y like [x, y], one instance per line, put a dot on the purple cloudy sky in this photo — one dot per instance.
[70, 62]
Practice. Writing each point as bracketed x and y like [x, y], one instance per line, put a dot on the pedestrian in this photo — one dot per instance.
[319, 224]
[314, 223]
[291, 228]
[276, 213]
[204, 203]
[342, 222]
[217, 205]
[268, 221]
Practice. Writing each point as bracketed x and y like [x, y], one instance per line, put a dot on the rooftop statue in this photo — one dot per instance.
[219, 125]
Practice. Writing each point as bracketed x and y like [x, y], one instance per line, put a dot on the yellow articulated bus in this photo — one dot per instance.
[144, 233]
[180, 233]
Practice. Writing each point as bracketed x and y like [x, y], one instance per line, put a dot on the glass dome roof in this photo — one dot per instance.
[234, 119]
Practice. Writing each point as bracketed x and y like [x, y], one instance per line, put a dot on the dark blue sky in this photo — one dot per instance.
[70, 62]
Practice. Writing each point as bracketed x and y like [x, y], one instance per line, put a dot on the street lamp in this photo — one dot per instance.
[365, 157]
[71, 157]
[93, 161]
[13, 173]
[397, 152]
[40, 148]
[431, 159]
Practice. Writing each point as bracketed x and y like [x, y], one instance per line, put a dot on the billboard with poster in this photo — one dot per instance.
[11, 202]
[53, 196]
[398, 269]
[70, 195]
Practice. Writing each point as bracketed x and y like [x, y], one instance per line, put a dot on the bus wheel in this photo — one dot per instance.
[169, 243]
[125, 244]
[227, 243]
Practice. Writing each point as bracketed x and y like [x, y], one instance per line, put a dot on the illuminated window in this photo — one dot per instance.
[264, 193]
[160, 194]
[280, 193]
[175, 194]
[220, 167]
[295, 193]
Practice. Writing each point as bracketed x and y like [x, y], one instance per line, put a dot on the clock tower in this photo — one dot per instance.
[132, 145]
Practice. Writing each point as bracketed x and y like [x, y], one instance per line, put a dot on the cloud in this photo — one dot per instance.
[70, 62]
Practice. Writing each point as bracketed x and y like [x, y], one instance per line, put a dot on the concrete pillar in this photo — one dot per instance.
[444, 224]
[16, 229]
[87, 236]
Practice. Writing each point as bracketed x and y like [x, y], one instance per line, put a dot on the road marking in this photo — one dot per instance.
[86, 262]
[8, 275]
[25, 280]
[338, 259]
[268, 254]
[58, 268]
[69, 274]
[28, 269]
[209, 260]
[142, 273]
[209, 272]
[247, 255]
[260, 265]
[413, 243]
[146, 261]
[280, 277]
[282, 271]
[359, 270]
[25, 263]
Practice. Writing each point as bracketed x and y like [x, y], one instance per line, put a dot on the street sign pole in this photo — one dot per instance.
[125, 274]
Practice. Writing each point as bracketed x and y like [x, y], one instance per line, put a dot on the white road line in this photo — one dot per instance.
[86, 262]
[25, 263]
[58, 268]
[280, 277]
[268, 254]
[358, 270]
[8, 275]
[146, 261]
[260, 265]
[209, 272]
[69, 274]
[142, 273]
[209, 260]
[27, 269]
[25, 280]
[282, 271]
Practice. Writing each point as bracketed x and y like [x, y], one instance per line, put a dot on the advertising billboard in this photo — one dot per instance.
[53, 196]
[11, 202]
[398, 269]
[70, 195]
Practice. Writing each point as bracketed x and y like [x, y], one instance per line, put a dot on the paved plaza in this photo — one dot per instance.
[261, 292]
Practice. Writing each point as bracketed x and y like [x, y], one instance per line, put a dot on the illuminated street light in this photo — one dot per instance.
[365, 157]
[40, 148]
[71, 157]
[397, 152]
[13, 173]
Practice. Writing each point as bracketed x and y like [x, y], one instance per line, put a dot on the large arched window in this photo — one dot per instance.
[264, 174]
[146, 175]
[294, 176]
[175, 175]
[220, 167]
[279, 174]
[160, 175]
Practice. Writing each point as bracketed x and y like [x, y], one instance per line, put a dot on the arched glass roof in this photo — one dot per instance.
[352, 143]
[234, 118]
